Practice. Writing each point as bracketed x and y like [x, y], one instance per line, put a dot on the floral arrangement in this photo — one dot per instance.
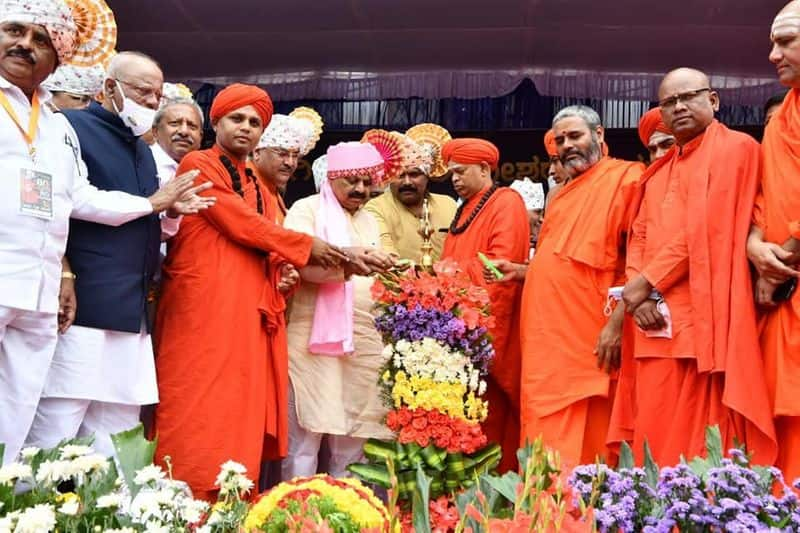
[318, 503]
[435, 327]
[714, 494]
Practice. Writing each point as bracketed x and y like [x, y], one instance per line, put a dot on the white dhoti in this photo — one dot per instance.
[97, 383]
[27, 342]
[305, 445]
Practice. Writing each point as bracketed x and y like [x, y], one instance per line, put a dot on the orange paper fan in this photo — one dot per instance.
[97, 32]
[391, 149]
[431, 137]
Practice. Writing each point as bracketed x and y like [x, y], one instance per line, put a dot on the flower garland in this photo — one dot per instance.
[319, 498]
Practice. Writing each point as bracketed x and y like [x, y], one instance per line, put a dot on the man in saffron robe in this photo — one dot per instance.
[221, 388]
[697, 357]
[776, 212]
[556, 175]
[491, 220]
[567, 391]
[655, 135]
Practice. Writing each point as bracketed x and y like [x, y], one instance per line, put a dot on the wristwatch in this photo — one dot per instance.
[68, 275]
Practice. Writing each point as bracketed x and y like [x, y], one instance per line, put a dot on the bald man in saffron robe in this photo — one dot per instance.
[492, 221]
[223, 391]
[775, 239]
[569, 347]
[697, 356]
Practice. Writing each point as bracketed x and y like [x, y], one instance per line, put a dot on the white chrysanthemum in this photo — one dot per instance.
[70, 508]
[234, 467]
[27, 454]
[154, 526]
[109, 501]
[38, 519]
[214, 519]
[145, 506]
[90, 463]
[71, 451]
[402, 346]
[192, 511]
[52, 472]
[149, 474]
[482, 388]
[11, 472]
[7, 522]
[387, 352]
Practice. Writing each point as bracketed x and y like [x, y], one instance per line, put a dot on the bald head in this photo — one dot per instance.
[687, 103]
[785, 36]
[139, 76]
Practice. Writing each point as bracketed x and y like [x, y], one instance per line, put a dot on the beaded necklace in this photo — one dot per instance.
[454, 229]
[236, 181]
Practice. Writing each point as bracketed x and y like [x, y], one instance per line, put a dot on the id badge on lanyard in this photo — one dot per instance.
[36, 193]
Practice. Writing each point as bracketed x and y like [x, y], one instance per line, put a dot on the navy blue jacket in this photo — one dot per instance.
[114, 265]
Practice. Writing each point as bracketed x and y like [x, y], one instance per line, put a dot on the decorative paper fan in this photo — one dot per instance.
[431, 137]
[97, 32]
[308, 114]
[391, 149]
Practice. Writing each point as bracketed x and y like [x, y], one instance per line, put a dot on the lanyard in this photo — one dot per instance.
[33, 121]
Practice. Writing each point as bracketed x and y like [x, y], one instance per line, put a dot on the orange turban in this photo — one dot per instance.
[650, 123]
[239, 95]
[471, 151]
[550, 143]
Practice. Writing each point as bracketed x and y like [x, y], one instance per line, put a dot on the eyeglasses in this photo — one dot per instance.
[285, 154]
[144, 93]
[688, 96]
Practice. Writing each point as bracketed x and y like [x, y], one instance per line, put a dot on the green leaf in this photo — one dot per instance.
[2, 451]
[650, 467]
[420, 503]
[506, 485]
[524, 453]
[134, 452]
[626, 457]
[714, 446]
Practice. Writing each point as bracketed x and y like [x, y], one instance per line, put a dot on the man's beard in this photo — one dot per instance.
[585, 160]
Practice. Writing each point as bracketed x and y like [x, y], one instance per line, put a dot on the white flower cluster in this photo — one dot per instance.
[232, 479]
[161, 503]
[37, 519]
[429, 358]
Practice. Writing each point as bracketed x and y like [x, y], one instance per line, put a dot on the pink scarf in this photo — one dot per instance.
[332, 328]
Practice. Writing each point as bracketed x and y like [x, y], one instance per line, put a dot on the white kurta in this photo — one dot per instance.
[31, 249]
[336, 395]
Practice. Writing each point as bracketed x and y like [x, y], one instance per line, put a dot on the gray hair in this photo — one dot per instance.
[118, 61]
[589, 115]
[177, 101]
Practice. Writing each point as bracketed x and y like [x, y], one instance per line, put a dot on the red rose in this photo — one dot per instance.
[419, 422]
[392, 420]
[404, 416]
[407, 435]
[422, 439]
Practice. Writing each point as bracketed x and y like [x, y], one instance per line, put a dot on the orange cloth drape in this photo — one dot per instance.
[689, 241]
[778, 204]
[218, 378]
[578, 257]
[498, 232]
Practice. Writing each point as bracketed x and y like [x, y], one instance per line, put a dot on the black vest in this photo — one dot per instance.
[114, 265]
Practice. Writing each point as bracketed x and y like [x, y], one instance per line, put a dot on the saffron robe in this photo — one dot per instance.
[220, 395]
[500, 230]
[566, 398]
[777, 205]
[688, 241]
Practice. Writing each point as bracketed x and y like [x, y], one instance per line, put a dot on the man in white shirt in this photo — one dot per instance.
[45, 183]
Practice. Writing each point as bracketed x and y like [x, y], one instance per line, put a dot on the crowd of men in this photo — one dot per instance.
[637, 304]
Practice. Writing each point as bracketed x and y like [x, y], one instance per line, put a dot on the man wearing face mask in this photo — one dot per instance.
[566, 388]
[103, 368]
[398, 210]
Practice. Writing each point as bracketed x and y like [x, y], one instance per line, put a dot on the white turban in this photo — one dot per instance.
[320, 170]
[85, 81]
[54, 15]
[532, 193]
[288, 133]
